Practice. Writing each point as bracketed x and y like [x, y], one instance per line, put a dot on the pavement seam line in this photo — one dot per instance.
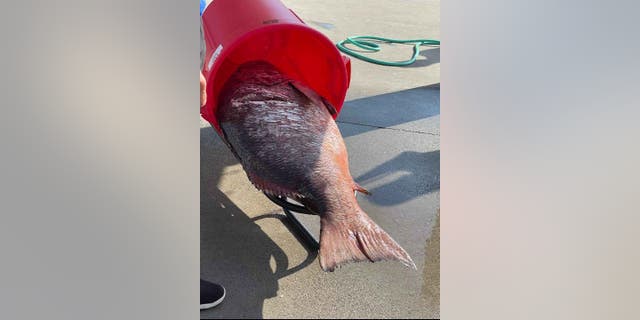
[394, 129]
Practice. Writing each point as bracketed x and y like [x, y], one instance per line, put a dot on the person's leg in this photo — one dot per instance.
[211, 294]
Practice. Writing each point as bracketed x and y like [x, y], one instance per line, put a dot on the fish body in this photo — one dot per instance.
[288, 143]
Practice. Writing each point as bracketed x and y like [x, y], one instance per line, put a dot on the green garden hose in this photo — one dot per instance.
[365, 43]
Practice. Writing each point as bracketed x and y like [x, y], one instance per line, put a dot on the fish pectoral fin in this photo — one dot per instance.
[313, 96]
[360, 188]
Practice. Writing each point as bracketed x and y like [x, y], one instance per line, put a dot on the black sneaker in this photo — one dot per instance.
[211, 294]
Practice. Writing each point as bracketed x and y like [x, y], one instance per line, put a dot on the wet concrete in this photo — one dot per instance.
[390, 124]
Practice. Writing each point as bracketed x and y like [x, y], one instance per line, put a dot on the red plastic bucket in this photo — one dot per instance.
[237, 31]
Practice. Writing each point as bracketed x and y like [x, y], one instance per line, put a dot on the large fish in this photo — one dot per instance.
[285, 137]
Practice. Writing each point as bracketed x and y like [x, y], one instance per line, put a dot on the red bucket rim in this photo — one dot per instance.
[208, 110]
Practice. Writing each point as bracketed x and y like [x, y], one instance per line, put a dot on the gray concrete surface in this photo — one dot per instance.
[390, 124]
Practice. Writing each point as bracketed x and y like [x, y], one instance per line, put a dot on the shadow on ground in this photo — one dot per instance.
[429, 56]
[410, 174]
[234, 251]
[399, 109]
[418, 173]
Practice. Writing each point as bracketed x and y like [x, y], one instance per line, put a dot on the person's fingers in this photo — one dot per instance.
[203, 90]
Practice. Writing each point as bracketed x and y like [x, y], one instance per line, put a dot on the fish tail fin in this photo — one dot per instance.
[356, 239]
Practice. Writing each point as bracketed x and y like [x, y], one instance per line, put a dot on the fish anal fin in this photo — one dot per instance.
[360, 188]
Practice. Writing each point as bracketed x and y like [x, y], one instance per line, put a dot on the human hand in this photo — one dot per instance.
[203, 90]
